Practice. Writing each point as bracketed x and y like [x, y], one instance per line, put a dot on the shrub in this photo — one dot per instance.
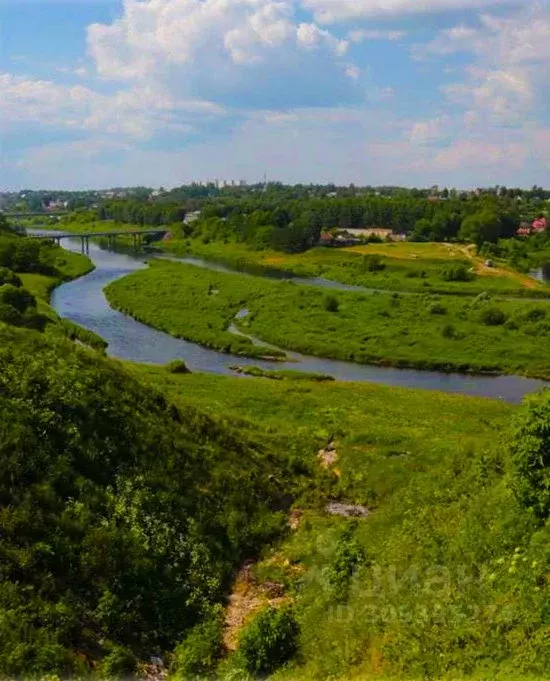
[373, 263]
[492, 316]
[437, 308]
[178, 366]
[120, 662]
[9, 315]
[530, 454]
[269, 641]
[9, 277]
[331, 304]
[448, 331]
[19, 298]
[200, 652]
[348, 558]
[536, 314]
[456, 272]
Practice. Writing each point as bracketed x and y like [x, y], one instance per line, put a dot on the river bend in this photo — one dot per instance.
[84, 302]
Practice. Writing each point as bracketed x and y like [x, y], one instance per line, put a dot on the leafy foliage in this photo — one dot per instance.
[458, 272]
[122, 517]
[198, 655]
[332, 304]
[269, 641]
[493, 316]
[9, 277]
[178, 366]
[530, 450]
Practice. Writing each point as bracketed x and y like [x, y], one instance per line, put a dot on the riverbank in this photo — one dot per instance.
[411, 267]
[445, 334]
[66, 266]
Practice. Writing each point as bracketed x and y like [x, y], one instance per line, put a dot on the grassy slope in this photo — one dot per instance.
[448, 586]
[198, 305]
[409, 267]
[114, 501]
[68, 266]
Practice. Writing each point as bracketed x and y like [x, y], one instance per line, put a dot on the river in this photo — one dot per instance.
[83, 302]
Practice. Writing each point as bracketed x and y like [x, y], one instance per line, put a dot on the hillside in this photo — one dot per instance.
[122, 516]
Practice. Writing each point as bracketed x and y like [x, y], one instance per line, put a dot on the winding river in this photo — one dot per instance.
[83, 302]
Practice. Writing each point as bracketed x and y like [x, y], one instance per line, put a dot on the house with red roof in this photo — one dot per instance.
[540, 224]
[537, 226]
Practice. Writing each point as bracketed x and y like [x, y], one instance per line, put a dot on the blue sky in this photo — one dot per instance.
[164, 92]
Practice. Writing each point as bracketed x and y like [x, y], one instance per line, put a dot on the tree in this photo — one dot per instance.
[18, 298]
[530, 452]
[480, 227]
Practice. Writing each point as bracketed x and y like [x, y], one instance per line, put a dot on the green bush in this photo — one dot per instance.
[456, 272]
[9, 277]
[492, 316]
[373, 263]
[178, 366]
[19, 298]
[119, 663]
[331, 304]
[437, 308]
[200, 652]
[9, 315]
[349, 556]
[448, 331]
[269, 641]
[530, 453]
[536, 314]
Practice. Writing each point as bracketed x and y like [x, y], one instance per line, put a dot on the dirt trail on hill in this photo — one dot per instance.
[482, 270]
[246, 600]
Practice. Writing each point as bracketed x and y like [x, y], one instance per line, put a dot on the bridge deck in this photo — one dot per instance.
[82, 235]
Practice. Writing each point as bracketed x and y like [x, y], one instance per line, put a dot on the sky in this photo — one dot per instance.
[110, 93]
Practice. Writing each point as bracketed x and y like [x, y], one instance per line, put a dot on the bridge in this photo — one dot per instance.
[136, 234]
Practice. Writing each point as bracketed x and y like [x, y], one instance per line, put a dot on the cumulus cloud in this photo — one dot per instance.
[507, 76]
[224, 50]
[138, 113]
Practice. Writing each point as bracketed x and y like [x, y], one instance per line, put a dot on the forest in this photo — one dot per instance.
[285, 223]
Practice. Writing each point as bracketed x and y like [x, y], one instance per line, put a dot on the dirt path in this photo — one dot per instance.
[246, 600]
[483, 271]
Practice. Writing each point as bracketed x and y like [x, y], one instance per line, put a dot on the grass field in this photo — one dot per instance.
[412, 267]
[427, 332]
[440, 581]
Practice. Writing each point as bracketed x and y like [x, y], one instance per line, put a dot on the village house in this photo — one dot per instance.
[537, 226]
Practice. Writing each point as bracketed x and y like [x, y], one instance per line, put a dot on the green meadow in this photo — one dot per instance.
[413, 267]
[475, 334]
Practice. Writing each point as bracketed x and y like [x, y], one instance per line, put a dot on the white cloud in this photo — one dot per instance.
[362, 34]
[507, 76]
[425, 132]
[191, 40]
[353, 72]
[477, 154]
[504, 95]
[332, 11]
[138, 113]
